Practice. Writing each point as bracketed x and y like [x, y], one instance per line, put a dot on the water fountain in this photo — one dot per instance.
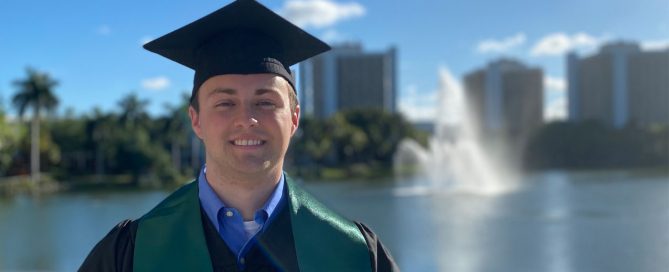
[458, 159]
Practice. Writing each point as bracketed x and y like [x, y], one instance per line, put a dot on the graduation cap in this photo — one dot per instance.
[243, 37]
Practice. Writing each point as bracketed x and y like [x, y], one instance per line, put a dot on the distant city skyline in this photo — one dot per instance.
[94, 49]
[618, 85]
[348, 77]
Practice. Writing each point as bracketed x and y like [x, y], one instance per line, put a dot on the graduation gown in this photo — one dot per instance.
[274, 250]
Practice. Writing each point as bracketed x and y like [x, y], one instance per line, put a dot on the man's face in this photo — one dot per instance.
[245, 121]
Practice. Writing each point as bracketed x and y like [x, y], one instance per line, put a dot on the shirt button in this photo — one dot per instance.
[229, 213]
[241, 260]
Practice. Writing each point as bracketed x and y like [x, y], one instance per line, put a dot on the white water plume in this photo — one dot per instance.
[457, 159]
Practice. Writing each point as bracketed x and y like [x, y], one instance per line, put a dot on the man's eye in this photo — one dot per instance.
[224, 104]
[267, 104]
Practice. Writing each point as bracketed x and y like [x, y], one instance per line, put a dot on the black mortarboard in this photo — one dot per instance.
[243, 37]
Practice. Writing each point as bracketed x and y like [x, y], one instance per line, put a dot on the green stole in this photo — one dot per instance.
[171, 237]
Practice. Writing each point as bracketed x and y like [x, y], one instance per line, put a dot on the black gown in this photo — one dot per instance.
[274, 250]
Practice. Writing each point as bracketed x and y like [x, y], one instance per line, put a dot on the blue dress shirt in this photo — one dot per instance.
[228, 221]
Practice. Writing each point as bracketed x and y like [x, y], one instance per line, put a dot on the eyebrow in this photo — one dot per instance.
[264, 91]
[234, 92]
[225, 91]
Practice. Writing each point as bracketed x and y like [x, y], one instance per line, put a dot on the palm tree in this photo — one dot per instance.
[176, 129]
[36, 91]
[100, 127]
[133, 110]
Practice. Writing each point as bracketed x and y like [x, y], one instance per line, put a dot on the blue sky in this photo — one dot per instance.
[93, 48]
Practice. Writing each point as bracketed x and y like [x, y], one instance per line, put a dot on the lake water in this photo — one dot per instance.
[553, 221]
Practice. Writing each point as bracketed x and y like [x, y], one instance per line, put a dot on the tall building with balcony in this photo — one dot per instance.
[347, 77]
[618, 85]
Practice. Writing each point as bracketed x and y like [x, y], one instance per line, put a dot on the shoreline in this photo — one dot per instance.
[23, 185]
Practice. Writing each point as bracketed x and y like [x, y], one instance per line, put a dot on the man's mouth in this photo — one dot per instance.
[247, 142]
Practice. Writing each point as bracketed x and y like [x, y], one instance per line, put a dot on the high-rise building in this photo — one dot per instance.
[347, 77]
[619, 84]
[506, 97]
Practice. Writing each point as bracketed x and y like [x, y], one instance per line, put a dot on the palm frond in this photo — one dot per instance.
[35, 91]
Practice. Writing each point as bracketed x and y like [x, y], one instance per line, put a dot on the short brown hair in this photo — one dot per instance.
[292, 97]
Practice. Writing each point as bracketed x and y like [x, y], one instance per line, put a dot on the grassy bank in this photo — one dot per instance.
[355, 171]
[24, 185]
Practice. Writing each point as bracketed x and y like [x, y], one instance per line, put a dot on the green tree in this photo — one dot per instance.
[100, 129]
[70, 135]
[10, 137]
[353, 139]
[36, 92]
[350, 140]
[312, 141]
[137, 145]
[176, 129]
[593, 144]
[133, 111]
[383, 131]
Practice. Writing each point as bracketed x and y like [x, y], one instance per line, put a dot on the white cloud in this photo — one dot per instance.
[556, 109]
[555, 85]
[319, 13]
[655, 45]
[559, 43]
[156, 83]
[104, 30]
[418, 107]
[556, 98]
[332, 36]
[146, 39]
[417, 112]
[499, 46]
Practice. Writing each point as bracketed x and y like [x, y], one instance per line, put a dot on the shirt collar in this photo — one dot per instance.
[276, 197]
[212, 204]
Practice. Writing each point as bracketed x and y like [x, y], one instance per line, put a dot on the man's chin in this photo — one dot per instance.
[254, 167]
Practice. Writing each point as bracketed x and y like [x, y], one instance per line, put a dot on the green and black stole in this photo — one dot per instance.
[171, 238]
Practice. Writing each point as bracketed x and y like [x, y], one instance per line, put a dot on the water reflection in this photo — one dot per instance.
[557, 233]
[465, 236]
[556, 222]
[56, 232]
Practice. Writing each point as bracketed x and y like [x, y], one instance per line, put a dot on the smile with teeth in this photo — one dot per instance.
[248, 142]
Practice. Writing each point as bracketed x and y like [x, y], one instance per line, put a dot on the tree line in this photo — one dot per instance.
[95, 146]
[592, 144]
[361, 142]
[130, 147]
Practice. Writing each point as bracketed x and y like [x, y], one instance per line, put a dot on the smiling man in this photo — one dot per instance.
[242, 213]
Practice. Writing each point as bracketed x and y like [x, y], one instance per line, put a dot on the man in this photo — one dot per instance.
[242, 213]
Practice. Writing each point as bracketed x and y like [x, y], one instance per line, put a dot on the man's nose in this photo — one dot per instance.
[246, 117]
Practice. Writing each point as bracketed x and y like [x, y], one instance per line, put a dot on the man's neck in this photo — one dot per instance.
[246, 193]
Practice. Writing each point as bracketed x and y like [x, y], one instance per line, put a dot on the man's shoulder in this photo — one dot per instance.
[121, 234]
[115, 251]
[380, 258]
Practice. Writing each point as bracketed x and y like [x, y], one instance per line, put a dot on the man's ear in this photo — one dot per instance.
[295, 118]
[195, 121]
